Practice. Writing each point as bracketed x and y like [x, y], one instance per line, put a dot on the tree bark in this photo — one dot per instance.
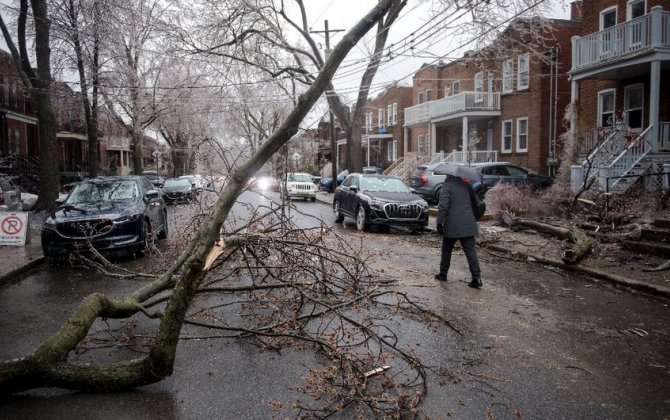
[48, 365]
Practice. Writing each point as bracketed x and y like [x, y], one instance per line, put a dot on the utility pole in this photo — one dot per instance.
[333, 140]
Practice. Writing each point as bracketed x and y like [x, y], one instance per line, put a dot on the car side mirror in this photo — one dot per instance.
[59, 202]
[353, 188]
[151, 194]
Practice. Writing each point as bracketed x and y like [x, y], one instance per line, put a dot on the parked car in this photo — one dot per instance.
[299, 185]
[179, 189]
[10, 196]
[494, 172]
[326, 183]
[265, 183]
[379, 200]
[197, 180]
[115, 213]
[427, 183]
[155, 178]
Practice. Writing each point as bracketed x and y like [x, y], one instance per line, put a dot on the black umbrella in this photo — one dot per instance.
[456, 169]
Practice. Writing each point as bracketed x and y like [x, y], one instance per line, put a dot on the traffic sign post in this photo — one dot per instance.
[13, 228]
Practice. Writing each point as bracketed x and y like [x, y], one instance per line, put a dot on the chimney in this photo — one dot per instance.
[576, 10]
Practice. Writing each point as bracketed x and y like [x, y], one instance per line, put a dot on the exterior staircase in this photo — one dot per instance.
[622, 158]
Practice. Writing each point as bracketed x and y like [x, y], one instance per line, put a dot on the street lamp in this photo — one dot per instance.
[296, 157]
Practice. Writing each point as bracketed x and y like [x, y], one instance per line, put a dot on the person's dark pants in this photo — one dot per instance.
[468, 245]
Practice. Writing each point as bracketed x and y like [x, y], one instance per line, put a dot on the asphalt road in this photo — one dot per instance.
[535, 343]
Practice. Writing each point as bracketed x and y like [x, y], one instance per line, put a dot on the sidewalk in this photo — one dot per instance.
[16, 260]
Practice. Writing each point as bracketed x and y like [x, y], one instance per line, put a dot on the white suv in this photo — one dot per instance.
[299, 185]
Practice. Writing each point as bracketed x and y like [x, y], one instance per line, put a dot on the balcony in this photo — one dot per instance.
[459, 103]
[645, 34]
[117, 143]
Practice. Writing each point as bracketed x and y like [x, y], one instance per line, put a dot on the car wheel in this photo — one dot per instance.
[146, 236]
[361, 222]
[164, 231]
[339, 217]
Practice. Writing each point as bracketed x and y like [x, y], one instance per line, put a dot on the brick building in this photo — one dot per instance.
[18, 120]
[504, 102]
[621, 89]
[383, 131]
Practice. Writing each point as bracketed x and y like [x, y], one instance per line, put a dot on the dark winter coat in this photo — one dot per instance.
[455, 210]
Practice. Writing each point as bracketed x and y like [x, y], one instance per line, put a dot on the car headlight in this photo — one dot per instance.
[377, 204]
[128, 218]
[49, 224]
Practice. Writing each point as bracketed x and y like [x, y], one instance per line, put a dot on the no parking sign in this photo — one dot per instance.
[13, 228]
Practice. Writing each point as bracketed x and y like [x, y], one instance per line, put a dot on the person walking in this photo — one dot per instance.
[456, 221]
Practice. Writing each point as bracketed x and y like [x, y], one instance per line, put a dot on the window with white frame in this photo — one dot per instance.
[369, 125]
[389, 115]
[429, 95]
[395, 150]
[606, 101]
[479, 86]
[636, 9]
[508, 76]
[447, 90]
[633, 106]
[380, 118]
[506, 146]
[607, 38]
[389, 151]
[422, 97]
[420, 148]
[522, 134]
[523, 77]
[395, 113]
[456, 87]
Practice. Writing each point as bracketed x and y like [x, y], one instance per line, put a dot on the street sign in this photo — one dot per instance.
[13, 228]
[156, 153]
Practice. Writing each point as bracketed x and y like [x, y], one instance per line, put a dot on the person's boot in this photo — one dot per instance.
[441, 277]
[476, 282]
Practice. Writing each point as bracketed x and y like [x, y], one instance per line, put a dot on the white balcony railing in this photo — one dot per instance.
[460, 102]
[118, 143]
[635, 36]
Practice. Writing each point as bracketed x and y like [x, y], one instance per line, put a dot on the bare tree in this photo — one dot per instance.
[38, 81]
[212, 247]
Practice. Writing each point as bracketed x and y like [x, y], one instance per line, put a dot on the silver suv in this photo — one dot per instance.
[426, 183]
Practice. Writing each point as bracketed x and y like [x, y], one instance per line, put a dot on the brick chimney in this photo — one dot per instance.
[576, 10]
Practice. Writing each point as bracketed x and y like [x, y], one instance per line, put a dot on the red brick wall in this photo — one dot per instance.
[591, 11]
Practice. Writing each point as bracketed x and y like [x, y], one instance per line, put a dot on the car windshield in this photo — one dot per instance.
[382, 184]
[299, 178]
[94, 192]
[176, 183]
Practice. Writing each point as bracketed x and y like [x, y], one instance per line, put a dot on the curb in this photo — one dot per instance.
[594, 272]
[20, 270]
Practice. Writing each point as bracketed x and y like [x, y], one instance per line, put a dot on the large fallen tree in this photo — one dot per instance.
[50, 365]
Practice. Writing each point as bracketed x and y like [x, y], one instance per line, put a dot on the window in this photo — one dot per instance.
[524, 72]
[608, 18]
[395, 113]
[389, 114]
[633, 106]
[447, 90]
[380, 117]
[389, 151]
[429, 95]
[421, 145]
[607, 39]
[606, 100]
[522, 135]
[456, 87]
[422, 97]
[507, 76]
[369, 123]
[395, 150]
[479, 86]
[636, 8]
[506, 136]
